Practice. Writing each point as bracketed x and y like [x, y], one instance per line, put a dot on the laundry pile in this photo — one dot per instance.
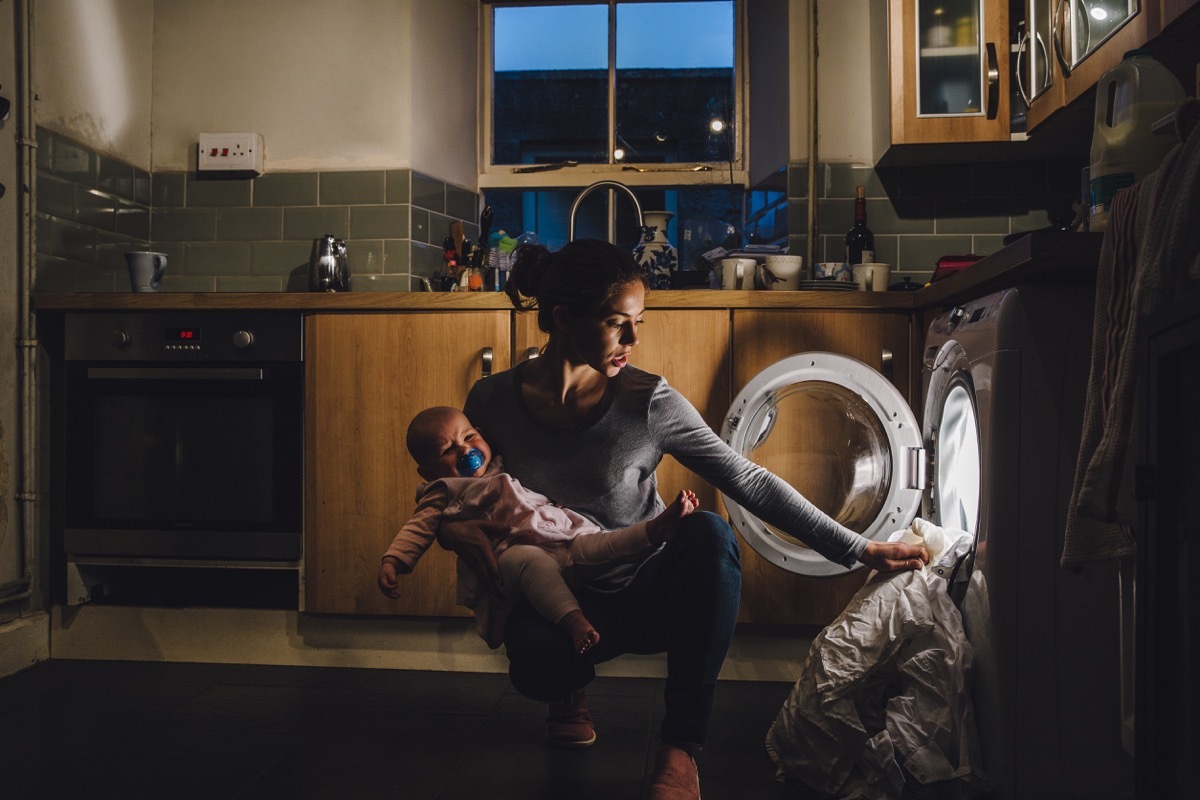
[884, 695]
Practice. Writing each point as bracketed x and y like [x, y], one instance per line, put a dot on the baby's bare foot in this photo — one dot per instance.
[664, 527]
[583, 636]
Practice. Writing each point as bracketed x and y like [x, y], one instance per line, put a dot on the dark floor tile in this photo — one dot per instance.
[117, 682]
[405, 691]
[277, 675]
[746, 789]
[412, 756]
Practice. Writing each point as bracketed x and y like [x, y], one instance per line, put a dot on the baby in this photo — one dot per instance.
[547, 545]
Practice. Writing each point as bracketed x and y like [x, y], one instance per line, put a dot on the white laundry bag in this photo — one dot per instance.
[886, 686]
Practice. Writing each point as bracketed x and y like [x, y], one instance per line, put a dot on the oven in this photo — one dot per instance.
[182, 438]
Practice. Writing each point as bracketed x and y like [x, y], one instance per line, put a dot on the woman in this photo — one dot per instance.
[582, 427]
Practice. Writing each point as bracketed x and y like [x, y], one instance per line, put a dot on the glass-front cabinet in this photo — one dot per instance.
[949, 68]
[1069, 44]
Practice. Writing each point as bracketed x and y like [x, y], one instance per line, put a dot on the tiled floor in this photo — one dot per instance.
[129, 730]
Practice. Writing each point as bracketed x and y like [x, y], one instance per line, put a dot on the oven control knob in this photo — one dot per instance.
[243, 339]
[119, 339]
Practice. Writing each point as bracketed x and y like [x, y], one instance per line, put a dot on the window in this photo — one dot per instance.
[646, 93]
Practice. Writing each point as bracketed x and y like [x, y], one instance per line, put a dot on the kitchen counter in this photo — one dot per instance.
[1040, 257]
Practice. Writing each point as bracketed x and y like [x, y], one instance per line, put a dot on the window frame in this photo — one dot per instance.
[506, 176]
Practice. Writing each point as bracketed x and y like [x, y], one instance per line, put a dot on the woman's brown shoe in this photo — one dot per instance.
[568, 723]
[675, 776]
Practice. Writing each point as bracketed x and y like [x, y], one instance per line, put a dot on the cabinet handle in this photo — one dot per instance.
[886, 364]
[532, 352]
[1021, 83]
[486, 362]
[1047, 73]
[993, 77]
[1057, 33]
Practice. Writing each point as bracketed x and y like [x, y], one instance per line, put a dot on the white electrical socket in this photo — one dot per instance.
[231, 152]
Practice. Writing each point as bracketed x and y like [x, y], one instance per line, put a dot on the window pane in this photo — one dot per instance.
[550, 84]
[674, 78]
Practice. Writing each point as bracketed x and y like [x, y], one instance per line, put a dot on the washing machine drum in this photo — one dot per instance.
[843, 436]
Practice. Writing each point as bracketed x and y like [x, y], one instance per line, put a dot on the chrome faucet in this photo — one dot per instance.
[612, 185]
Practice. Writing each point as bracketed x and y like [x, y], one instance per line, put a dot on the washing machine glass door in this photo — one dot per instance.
[842, 435]
[952, 436]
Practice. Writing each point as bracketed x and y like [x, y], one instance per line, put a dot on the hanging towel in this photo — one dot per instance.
[1150, 254]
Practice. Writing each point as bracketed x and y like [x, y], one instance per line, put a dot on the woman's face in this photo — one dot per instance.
[605, 338]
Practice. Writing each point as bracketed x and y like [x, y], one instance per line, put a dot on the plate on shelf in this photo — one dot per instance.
[828, 286]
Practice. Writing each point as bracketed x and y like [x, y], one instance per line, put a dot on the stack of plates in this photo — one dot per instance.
[835, 286]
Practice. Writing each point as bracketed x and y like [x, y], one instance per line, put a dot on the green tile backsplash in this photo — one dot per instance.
[919, 214]
[235, 234]
[240, 234]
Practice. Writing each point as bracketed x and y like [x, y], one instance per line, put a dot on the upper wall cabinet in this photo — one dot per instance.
[1069, 44]
[949, 71]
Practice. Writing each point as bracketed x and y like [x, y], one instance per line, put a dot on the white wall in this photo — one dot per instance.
[92, 61]
[852, 81]
[352, 84]
[331, 84]
[444, 78]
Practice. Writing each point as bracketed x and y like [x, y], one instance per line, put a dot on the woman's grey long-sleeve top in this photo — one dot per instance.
[604, 467]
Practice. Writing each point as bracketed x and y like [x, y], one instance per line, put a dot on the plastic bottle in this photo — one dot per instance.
[1130, 98]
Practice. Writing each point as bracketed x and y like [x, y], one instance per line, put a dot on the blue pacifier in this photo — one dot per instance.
[469, 462]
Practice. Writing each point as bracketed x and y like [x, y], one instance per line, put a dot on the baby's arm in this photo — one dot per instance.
[412, 541]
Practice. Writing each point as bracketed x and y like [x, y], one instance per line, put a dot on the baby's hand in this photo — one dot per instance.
[389, 583]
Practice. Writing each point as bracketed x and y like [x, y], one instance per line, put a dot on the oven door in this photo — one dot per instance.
[183, 461]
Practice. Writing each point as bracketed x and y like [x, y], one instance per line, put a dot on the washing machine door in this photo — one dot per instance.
[843, 436]
[952, 437]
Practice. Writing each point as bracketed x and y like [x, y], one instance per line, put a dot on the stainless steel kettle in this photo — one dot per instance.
[328, 266]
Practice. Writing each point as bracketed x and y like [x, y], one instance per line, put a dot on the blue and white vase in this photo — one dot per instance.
[655, 254]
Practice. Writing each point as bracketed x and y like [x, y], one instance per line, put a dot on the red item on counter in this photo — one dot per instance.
[948, 265]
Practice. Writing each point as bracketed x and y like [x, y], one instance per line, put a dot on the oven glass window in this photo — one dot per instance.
[186, 451]
[183, 458]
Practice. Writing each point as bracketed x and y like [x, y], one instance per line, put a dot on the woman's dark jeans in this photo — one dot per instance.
[683, 601]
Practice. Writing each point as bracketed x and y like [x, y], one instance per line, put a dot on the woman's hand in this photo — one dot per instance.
[894, 556]
[471, 541]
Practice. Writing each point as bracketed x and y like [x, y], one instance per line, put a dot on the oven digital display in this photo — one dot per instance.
[187, 335]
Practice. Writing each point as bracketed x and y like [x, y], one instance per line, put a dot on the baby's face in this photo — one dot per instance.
[448, 438]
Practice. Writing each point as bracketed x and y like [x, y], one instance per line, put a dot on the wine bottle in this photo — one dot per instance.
[860, 242]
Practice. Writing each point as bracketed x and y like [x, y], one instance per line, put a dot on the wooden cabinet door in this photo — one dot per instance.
[762, 337]
[1066, 22]
[365, 377]
[1130, 36]
[690, 348]
[927, 65]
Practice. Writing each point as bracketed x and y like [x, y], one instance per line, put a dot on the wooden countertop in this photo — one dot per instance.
[1040, 257]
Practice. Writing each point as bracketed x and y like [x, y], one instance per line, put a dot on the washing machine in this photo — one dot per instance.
[1003, 379]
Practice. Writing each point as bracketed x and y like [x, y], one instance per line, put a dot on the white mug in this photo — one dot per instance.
[737, 273]
[783, 273]
[146, 270]
[872, 277]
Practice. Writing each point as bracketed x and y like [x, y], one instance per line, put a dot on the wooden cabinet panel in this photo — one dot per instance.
[910, 50]
[365, 377]
[760, 338]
